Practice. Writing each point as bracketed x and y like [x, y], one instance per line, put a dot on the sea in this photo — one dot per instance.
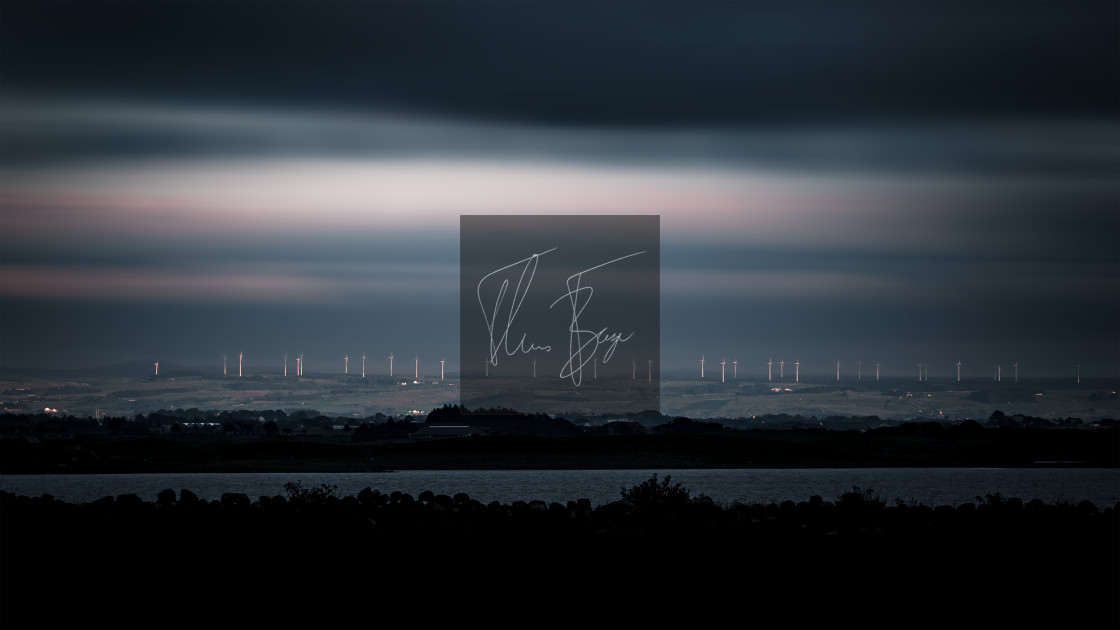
[913, 486]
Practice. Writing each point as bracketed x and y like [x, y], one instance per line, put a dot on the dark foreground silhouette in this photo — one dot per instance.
[656, 558]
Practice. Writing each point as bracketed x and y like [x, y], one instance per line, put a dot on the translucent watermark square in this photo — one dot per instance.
[560, 314]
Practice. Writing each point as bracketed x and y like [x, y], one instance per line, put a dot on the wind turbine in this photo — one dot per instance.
[859, 370]
[346, 364]
[285, 364]
[649, 365]
[838, 369]
[1016, 371]
[770, 370]
[723, 370]
[442, 360]
[363, 366]
[596, 367]
[240, 360]
[782, 369]
[876, 371]
[735, 369]
[958, 371]
[390, 363]
[299, 364]
[157, 368]
[487, 367]
[701, 366]
[417, 375]
[1078, 373]
[223, 365]
[634, 368]
[797, 371]
[919, 372]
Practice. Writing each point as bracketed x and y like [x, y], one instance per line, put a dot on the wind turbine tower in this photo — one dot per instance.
[1078, 373]
[633, 369]
[735, 369]
[346, 364]
[838, 369]
[595, 367]
[722, 370]
[417, 374]
[285, 364]
[782, 369]
[701, 366]
[770, 370]
[223, 365]
[487, 367]
[363, 366]
[240, 361]
[157, 368]
[958, 371]
[876, 371]
[797, 371]
[649, 377]
[390, 364]
[859, 370]
[441, 361]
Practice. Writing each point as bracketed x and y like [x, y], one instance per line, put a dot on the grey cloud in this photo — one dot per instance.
[39, 135]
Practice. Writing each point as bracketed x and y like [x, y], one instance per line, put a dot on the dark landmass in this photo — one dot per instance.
[265, 442]
[130, 389]
[658, 557]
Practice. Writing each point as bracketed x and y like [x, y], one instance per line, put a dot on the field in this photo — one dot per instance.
[895, 399]
[337, 396]
[351, 396]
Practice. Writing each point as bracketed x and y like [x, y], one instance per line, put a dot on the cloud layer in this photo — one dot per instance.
[833, 178]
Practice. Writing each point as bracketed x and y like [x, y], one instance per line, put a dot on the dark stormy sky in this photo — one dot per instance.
[885, 182]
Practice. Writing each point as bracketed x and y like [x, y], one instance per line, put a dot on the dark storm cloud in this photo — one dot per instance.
[607, 63]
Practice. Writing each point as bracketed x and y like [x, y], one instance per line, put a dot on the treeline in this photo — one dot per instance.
[278, 423]
[657, 557]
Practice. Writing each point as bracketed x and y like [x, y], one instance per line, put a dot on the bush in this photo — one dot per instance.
[858, 496]
[296, 490]
[654, 492]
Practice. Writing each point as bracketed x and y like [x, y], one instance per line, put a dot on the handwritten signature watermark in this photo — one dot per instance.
[550, 304]
[583, 344]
